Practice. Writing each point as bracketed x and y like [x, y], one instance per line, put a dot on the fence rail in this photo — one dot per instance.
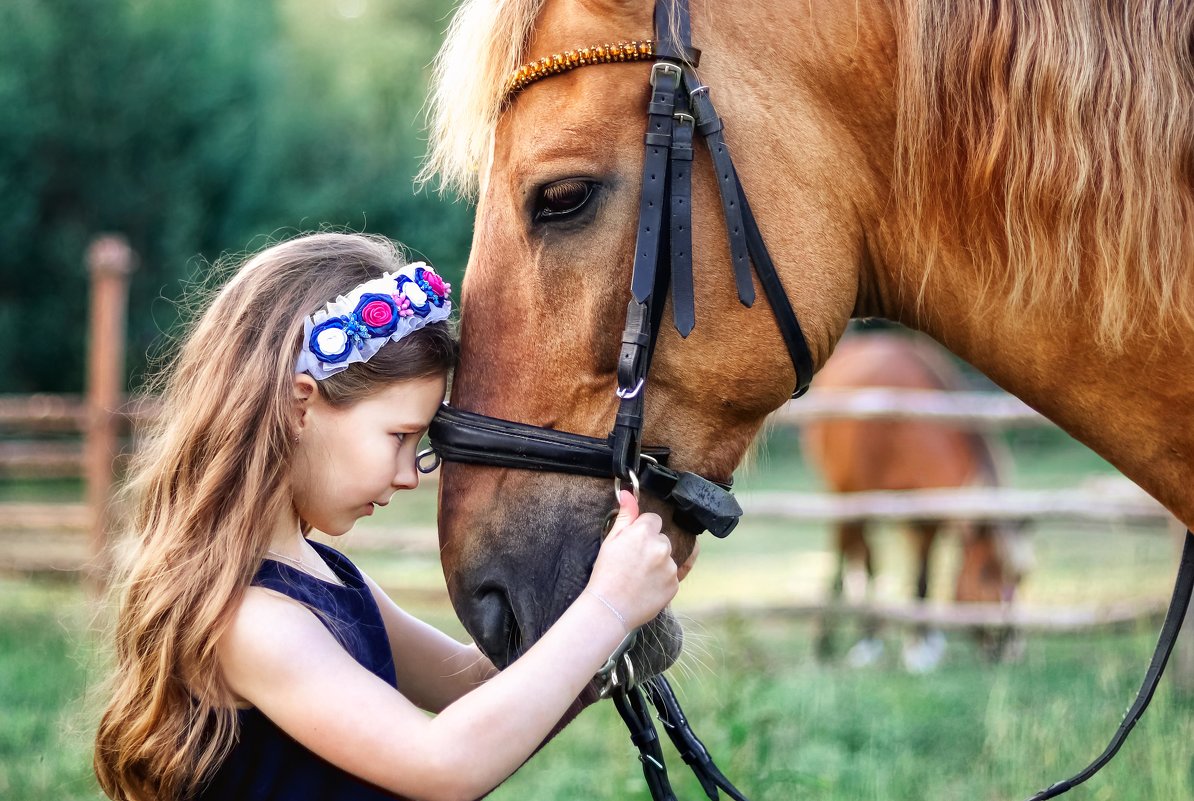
[1126, 503]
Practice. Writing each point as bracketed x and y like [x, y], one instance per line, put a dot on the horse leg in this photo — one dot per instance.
[926, 648]
[853, 563]
[987, 578]
[859, 588]
[827, 621]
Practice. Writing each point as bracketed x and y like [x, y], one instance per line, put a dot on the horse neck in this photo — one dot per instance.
[1134, 405]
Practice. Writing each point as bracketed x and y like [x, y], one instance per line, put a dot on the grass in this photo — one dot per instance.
[780, 724]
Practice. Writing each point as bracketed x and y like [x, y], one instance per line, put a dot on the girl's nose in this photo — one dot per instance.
[407, 476]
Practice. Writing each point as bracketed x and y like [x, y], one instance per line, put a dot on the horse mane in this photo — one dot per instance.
[1052, 141]
[1055, 142]
[483, 45]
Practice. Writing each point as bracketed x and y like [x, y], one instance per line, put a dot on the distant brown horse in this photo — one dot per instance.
[1013, 179]
[864, 455]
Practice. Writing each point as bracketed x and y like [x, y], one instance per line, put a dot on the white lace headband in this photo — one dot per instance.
[353, 327]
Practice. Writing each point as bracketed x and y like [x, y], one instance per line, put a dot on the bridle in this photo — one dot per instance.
[680, 107]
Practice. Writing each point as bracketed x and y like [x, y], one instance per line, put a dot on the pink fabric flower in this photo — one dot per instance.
[437, 284]
[377, 314]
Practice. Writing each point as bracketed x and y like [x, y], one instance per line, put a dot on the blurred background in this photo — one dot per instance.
[142, 141]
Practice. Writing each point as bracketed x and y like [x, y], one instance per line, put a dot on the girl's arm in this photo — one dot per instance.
[279, 657]
[433, 669]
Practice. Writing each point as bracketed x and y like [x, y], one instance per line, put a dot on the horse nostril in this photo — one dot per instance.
[491, 622]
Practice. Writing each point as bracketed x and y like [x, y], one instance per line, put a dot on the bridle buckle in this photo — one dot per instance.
[662, 68]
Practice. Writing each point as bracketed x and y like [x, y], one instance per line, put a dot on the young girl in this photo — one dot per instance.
[253, 663]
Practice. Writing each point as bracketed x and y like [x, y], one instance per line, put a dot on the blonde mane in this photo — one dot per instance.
[484, 44]
[1053, 141]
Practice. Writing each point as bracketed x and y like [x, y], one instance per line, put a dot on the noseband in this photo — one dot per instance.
[680, 107]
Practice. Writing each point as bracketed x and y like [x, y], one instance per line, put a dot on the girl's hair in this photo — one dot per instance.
[205, 482]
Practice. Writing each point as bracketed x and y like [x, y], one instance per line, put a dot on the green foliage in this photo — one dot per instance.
[197, 128]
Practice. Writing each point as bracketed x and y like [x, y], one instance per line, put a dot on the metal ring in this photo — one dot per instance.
[627, 394]
[634, 485]
[629, 670]
[422, 456]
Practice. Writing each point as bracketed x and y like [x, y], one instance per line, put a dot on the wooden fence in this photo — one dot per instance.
[99, 419]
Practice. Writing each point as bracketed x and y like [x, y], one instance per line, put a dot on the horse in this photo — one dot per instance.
[896, 455]
[1012, 180]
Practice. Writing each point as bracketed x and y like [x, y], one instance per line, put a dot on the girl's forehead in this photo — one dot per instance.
[406, 404]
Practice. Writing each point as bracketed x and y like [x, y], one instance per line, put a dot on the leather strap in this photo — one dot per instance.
[708, 125]
[630, 705]
[691, 749]
[1169, 630]
[699, 504]
[664, 85]
[781, 307]
[680, 232]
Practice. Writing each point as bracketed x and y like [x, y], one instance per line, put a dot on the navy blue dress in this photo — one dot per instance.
[266, 764]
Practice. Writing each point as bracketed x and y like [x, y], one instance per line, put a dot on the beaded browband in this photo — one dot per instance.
[571, 59]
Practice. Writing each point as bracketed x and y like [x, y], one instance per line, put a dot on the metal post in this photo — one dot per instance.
[109, 262]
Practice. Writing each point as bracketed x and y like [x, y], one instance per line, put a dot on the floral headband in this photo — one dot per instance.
[353, 327]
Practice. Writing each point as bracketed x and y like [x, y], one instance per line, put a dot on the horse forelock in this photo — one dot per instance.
[1053, 141]
[485, 42]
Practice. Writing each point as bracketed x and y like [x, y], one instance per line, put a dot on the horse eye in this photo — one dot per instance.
[562, 199]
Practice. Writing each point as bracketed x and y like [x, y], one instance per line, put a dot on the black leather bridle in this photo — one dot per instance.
[680, 107]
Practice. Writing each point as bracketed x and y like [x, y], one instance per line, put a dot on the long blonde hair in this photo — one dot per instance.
[206, 483]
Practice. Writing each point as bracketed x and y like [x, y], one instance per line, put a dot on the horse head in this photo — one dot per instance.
[951, 167]
[549, 274]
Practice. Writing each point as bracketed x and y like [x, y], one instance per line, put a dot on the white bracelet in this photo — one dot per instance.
[610, 607]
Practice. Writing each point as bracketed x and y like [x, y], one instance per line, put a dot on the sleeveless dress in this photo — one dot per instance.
[266, 764]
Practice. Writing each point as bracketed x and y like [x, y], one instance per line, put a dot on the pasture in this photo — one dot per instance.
[780, 724]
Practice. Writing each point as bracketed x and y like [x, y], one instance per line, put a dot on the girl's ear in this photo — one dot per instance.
[306, 391]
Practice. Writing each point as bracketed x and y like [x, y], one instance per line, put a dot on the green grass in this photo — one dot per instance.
[780, 724]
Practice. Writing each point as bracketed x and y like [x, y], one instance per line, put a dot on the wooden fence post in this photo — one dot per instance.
[109, 262]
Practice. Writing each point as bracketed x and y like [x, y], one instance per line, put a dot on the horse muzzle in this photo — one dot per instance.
[518, 547]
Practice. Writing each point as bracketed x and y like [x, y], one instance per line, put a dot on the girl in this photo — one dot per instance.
[253, 663]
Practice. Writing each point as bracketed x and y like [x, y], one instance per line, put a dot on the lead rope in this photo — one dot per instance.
[1169, 630]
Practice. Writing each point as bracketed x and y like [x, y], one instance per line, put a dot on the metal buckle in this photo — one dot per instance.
[665, 67]
[683, 118]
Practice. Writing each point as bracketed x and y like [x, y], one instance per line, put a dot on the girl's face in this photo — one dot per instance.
[350, 459]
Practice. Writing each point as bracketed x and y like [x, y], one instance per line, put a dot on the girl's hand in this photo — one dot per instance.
[634, 570]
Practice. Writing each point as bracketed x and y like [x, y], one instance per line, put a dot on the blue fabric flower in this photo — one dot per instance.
[332, 340]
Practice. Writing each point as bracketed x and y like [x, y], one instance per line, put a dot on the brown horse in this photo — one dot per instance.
[896, 455]
[1012, 179]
